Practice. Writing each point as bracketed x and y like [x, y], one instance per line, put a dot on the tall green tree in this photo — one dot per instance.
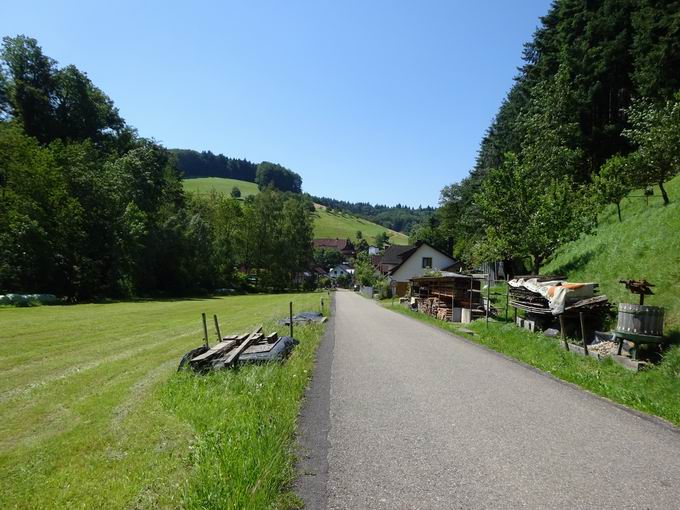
[274, 175]
[52, 103]
[655, 131]
[612, 184]
[530, 215]
[364, 271]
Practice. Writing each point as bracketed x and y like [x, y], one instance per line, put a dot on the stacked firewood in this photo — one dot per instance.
[435, 307]
[445, 313]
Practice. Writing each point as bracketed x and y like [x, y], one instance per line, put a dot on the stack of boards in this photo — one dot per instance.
[234, 349]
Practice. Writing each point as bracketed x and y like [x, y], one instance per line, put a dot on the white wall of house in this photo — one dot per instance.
[413, 267]
[339, 271]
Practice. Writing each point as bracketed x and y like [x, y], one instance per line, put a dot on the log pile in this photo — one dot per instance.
[436, 307]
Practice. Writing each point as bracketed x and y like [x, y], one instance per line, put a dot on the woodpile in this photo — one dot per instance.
[436, 307]
[437, 296]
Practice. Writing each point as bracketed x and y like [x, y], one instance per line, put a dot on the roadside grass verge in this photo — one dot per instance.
[244, 422]
[655, 390]
[93, 414]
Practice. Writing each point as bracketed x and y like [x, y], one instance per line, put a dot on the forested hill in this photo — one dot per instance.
[592, 114]
[195, 164]
[206, 164]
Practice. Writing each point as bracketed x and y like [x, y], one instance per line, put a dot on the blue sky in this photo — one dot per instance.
[369, 101]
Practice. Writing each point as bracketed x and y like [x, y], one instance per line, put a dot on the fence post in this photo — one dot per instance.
[205, 330]
[291, 318]
[583, 332]
[507, 301]
[217, 328]
[488, 297]
[563, 333]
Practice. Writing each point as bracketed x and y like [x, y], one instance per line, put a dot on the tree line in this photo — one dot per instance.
[593, 113]
[192, 164]
[206, 164]
[91, 209]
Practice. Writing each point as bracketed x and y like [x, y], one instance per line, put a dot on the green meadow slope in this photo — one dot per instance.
[345, 226]
[205, 185]
[645, 245]
[326, 224]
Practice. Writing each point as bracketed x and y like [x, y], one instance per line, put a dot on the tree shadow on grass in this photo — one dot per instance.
[578, 262]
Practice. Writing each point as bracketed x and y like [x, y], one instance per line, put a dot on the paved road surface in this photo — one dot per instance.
[418, 419]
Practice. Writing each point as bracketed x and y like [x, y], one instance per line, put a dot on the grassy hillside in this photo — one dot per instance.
[207, 184]
[343, 225]
[645, 245]
[326, 224]
[94, 414]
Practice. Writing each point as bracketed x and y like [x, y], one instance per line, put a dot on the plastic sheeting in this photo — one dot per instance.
[25, 299]
[558, 293]
[303, 318]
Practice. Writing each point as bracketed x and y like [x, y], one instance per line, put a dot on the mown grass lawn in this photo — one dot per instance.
[655, 390]
[93, 414]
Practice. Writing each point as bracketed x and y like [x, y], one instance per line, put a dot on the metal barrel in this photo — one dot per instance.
[641, 319]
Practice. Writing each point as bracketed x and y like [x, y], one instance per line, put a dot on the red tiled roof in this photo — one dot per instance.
[337, 244]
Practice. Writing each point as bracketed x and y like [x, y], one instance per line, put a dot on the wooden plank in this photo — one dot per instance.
[215, 351]
[272, 337]
[233, 355]
[255, 349]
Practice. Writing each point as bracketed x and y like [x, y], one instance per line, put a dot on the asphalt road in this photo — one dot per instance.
[402, 415]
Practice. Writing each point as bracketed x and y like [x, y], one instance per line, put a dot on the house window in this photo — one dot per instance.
[427, 262]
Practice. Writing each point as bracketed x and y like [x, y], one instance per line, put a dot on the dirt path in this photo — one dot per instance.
[402, 415]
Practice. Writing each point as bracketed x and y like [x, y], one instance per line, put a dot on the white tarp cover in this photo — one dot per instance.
[558, 293]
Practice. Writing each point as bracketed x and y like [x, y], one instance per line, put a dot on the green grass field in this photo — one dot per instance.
[95, 416]
[205, 185]
[326, 224]
[645, 245]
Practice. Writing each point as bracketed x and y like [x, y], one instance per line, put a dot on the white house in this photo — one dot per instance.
[417, 262]
[340, 270]
[373, 250]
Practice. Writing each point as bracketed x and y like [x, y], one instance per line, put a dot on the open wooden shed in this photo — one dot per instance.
[439, 295]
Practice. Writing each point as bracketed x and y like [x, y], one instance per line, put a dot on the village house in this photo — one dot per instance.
[341, 270]
[344, 246]
[392, 257]
[412, 262]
